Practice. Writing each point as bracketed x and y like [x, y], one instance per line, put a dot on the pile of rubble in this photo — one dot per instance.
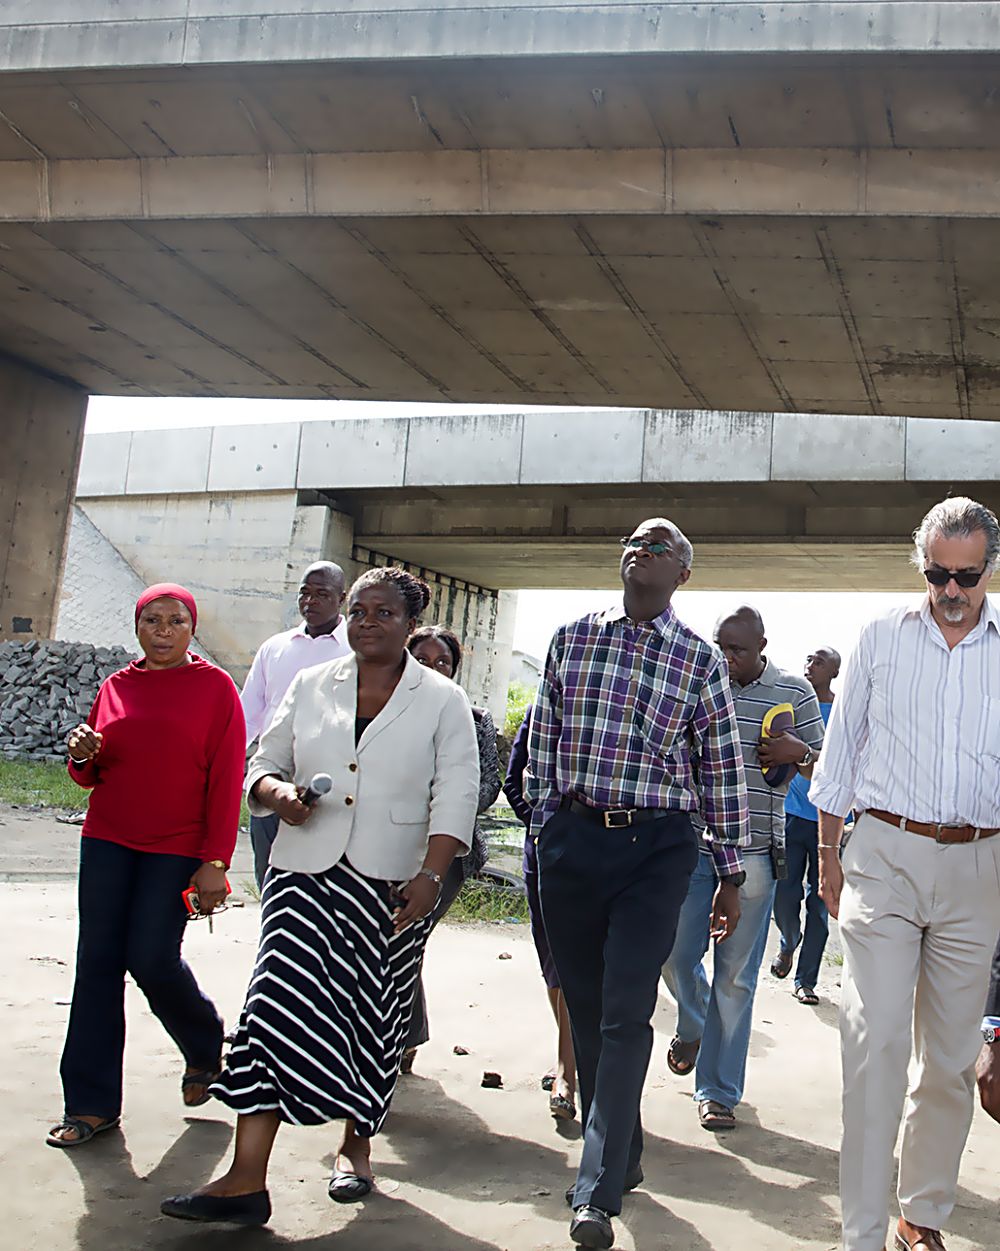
[45, 690]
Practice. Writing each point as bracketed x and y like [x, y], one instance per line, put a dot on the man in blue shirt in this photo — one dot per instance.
[801, 848]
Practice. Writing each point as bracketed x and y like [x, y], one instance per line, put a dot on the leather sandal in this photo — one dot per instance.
[83, 1129]
[806, 995]
[917, 1237]
[681, 1056]
[781, 965]
[715, 1116]
[203, 1077]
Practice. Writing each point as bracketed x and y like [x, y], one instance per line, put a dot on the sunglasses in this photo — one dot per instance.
[654, 547]
[965, 579]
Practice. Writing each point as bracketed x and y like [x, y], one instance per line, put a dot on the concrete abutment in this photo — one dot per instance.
[41, 435]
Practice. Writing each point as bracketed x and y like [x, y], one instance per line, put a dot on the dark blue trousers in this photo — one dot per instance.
[802, 852]
[132, 920]
[610, 901]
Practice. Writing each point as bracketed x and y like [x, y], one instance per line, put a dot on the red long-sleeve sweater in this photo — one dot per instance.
[169, 774]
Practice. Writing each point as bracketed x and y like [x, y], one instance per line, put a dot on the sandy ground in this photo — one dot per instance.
[460, 1168]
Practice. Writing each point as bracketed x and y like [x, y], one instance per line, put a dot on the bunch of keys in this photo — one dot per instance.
[193, 905]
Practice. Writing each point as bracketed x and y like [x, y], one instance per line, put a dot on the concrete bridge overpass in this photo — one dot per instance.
[485, 505]
[772, 207]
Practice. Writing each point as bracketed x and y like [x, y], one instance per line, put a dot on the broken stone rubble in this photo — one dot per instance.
[47, 688]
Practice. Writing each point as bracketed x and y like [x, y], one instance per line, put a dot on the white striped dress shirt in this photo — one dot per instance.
[915, 729]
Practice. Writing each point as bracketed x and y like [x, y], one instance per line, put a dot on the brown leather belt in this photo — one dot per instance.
[939, 832]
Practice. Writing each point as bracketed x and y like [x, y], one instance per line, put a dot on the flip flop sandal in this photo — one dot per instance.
[715, 1116]
[562, 1109]
[806, 995]
[677, 1064]
[348, 1187]
[205, 1077]
[84, 1129]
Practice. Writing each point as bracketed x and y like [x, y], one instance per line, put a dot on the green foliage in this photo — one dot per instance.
[519, 699]
[483, 901]
[38, 783]
[42, 784]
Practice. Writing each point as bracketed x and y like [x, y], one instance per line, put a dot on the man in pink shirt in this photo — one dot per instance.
[321, 637]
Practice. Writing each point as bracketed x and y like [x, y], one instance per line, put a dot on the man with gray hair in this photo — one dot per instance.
[914, 744]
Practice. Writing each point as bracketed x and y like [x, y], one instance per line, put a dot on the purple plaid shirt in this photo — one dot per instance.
[638, 716]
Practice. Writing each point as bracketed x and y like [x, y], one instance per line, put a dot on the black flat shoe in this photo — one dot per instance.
[348, 1187]
[633, 1181]
[592, 1228]
[252, 1209]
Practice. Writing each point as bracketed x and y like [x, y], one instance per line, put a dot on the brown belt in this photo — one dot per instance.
[940, 833]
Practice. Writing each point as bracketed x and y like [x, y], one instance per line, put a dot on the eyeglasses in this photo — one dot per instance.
[207, 916]
[654, 547]
[941, 577]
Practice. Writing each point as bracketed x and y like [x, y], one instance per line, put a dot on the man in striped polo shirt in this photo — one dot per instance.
[713, 1019]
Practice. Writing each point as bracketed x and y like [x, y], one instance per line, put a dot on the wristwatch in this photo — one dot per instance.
[435, 877]
[218, 864]
[808, 758]
[991, 1034]
[735, 879]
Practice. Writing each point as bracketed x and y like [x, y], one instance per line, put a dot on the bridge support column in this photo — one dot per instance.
[41, 434]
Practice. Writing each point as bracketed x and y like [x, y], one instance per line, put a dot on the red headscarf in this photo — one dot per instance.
[172, 590]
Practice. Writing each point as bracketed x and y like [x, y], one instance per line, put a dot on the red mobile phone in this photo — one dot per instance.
[190, 897]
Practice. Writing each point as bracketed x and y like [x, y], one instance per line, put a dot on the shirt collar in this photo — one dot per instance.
[664, 624]
[768, 676]
[990, 616]
[336, 633]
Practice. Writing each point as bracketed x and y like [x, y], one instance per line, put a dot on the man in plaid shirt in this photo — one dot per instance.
[633, 730]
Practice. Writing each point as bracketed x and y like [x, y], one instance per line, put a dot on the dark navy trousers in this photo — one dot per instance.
[132, 920]
[610, 901]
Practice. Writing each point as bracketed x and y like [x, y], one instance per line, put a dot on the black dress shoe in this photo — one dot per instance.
[591, 1227]
[253, 1209]
[633, 1181]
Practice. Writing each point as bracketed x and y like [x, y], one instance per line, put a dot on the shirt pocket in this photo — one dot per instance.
[409, 813]
[662, 714]
[989, 727]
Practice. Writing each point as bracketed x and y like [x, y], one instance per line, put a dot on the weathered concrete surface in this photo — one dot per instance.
[41, 433]
[539, 499]
[461, 1168]
[242, 553]
[65, 34]
[773, 207]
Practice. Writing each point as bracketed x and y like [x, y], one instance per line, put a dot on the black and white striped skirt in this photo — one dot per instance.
[328, 1008]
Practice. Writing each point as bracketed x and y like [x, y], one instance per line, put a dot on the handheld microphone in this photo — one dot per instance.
[321, 785]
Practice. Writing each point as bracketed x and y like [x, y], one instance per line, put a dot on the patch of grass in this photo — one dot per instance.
[39, 783]
[481, 901]
[42, 784]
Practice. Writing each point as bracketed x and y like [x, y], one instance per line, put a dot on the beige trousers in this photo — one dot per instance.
[919, 922]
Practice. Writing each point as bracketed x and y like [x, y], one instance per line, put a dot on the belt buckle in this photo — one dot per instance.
[611, 813]
[941, 826]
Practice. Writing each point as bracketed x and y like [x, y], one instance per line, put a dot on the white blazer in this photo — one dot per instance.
[415, 771]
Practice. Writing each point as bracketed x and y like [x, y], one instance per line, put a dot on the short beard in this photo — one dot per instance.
[953, 610]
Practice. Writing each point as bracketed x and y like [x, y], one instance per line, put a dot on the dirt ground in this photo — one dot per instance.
[460, 1168]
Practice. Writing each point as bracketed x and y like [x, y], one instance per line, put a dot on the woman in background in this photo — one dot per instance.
[439, 649]
[162, 754]
[561, 1082]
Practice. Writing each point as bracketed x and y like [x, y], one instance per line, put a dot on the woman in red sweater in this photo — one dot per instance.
[162, 755]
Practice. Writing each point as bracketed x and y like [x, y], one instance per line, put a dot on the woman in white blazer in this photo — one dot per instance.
[346, 903]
